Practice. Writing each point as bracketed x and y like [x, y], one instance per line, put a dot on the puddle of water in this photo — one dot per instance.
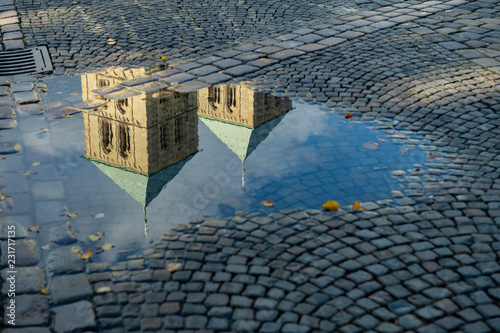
[119, 157]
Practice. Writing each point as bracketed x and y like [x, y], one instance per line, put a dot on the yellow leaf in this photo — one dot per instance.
[72, 215]
[76, 249]
[331, 205]
[106, 246]
[356, 206]
[35, 228]
[67, 116]
[348, 115]
[164, 58]
[44, 89]
[44, 290]
[267, 203]
[27, 173]
[96, 237]
[47, 247]
[44, 129]
[2, 197]
[35, 164]
[86, 256]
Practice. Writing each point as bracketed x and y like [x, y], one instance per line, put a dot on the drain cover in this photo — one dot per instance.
[27, 61]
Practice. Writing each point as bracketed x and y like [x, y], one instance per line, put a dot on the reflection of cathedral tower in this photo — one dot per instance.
[143, 129]
[238, 104]
[239, 116]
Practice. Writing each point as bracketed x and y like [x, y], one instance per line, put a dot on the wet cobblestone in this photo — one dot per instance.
[415, 263]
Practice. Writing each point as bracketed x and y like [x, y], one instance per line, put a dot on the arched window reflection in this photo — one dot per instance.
[106, 136]
[214, 96]
[124, 141]
[101, 83]
[231, 98]
[164, 136]
[122, 105]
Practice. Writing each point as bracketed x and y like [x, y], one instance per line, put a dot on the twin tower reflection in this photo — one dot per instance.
[145, 133]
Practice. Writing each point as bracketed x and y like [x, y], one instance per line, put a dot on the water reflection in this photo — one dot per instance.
[142, 134]
[140, 131]
[186, 156]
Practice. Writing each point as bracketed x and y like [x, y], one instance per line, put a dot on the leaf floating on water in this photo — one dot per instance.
[348, 115]
[72, 215]
[35, 228]
[44, 89]
[76, 249]
[164, 58]
[106, 246]
[331, 205]
[87, 255]
[370, 145]
[267, 203]
[44, 290]
[96, 237]
[35, 164]
[67, 116]
[356, 206]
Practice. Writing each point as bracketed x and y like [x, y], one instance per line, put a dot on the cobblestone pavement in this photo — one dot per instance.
[411, 264]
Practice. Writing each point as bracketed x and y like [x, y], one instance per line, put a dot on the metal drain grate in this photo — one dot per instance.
[27, 61]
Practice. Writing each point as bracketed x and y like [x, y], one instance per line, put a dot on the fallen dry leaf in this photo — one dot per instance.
[27, 173]
[72, 215]
[331, 205]
[86, 256]
[44, 129]
[106, 246]
[44, 290]
[44, 89]
[267, 203]
[47, 247]
[370, 145]
[76, 249]
[67, 116]
[164, 58]
[96, 237]
[356, 206]
[35, 228]
[35, 164]
[348, 115]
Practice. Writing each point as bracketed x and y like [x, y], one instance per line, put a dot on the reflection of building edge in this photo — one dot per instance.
[240, 117]
[142, 141]
[238, 104]
[236, 113]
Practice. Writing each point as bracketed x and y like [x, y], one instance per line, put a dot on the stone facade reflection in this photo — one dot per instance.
[140, 128]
